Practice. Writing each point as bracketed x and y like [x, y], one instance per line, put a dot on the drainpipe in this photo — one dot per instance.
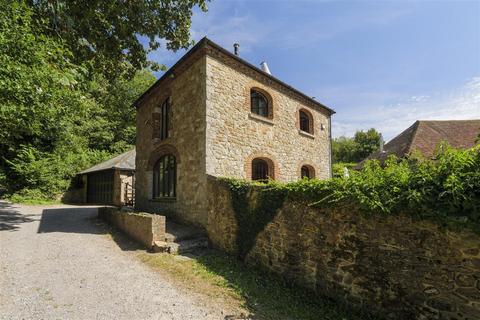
[330, 137]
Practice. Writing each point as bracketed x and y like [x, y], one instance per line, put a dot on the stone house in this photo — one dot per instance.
[214, 114]
[110, 182]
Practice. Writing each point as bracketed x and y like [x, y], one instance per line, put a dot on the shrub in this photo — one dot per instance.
[338, 169]
[446, 189]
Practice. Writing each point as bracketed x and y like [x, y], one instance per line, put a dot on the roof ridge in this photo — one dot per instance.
[416, 125]
[207, 42]
[113, 163]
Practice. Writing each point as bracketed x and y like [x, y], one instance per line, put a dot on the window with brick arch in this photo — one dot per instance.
[307, 172]
[259, 103]
[306, 121]
[260, 170]
[164, 177]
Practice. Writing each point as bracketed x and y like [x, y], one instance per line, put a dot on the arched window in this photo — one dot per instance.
[164, 177]
[259, 103]
[306, 121]
[260, 169]
[307, 172]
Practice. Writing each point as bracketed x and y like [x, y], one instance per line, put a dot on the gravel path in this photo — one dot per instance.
[57, 263]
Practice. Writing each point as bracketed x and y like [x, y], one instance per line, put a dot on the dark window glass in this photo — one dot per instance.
[259, 169]
[165, 122]
[161, 121]
[164, 177]
[259, 103]
[304, 121]
[306, 172]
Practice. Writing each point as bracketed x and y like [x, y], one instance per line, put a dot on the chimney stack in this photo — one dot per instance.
[235, 48]
[264, 67]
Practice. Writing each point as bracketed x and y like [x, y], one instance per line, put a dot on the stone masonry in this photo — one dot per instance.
[186, 141]
[235, 136]
[395, 266]
[213, 133]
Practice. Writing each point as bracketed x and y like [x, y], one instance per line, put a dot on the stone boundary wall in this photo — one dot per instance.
[144, 227]
[394, 266]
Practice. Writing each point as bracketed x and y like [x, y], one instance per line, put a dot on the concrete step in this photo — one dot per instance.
[176, 232]
[180, 238]
[180, 247]
[190, 245]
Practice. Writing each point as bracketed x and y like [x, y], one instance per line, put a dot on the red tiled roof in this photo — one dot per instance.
[424, 136]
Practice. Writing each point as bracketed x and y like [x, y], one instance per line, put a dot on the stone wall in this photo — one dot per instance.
[392, 265]
[186, 140]
[143, 227]
[235, 136]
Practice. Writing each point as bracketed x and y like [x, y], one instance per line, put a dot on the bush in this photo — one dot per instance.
[44, 176]
[32, 196]
[446, 189]
[338, 169]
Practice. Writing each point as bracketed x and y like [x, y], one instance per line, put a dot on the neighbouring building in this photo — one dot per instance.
[425, 136]
[110, 182]
[214, 114]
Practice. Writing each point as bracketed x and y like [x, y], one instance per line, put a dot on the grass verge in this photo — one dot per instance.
[264, 296]
[28, 201]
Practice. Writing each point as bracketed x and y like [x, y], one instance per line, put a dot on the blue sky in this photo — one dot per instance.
[381, 64]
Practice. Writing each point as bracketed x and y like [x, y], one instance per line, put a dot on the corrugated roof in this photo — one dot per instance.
[424, 136]
[125, 161]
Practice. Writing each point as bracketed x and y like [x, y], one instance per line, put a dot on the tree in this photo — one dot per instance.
[355, 149]
[343, 150]
[117, 130]
[56, 118]
[366, 143]
[106, 34]
[39, 84]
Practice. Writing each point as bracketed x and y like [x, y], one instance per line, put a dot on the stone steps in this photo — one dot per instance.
[181, 238]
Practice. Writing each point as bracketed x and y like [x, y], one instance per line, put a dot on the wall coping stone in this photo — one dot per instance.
[145, 228]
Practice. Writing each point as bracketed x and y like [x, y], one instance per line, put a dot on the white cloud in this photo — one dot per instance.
[314, 31]
[391, 119]
[227, 23]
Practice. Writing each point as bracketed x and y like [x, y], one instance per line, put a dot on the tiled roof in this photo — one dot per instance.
[125, 161]
[424, 136]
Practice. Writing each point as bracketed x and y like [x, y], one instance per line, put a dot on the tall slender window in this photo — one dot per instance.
[260, 169]
[161, 121]
[259, 103]
[164, 177]
[165, 122]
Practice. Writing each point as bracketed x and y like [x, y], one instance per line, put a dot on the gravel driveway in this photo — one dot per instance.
[57, 263]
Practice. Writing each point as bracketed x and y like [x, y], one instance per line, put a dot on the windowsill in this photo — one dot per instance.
[306, 134]
[164, 199]
[158, 140]
[266, 120]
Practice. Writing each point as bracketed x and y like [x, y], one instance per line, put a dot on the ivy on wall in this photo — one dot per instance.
[255, 205]
[445, 189]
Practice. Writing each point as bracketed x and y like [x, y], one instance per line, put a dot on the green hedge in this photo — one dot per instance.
[446, 189]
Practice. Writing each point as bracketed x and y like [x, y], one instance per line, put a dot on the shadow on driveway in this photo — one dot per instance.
[11, 218]
[82, 220]
[69, 220]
